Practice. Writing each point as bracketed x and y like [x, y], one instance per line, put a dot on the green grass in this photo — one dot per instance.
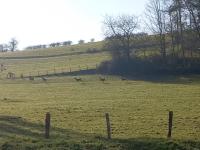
[138, 108]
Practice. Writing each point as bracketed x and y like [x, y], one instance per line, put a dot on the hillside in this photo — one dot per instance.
[51, 60]
[138, 107]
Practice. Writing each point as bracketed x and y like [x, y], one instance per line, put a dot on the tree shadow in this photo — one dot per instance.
[18, 126]
[14, 125]
[150, 143]
[166, 79]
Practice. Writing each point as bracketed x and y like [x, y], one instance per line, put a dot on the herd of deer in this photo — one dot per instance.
[77, 79]
[32, 78]
[101, 79]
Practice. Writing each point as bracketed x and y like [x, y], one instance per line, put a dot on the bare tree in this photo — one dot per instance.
[67, 43]
[155, 21]
[193, 6]
[81, 42]
[52, 45]
[58, 44]
[92, 40]
[117, 32]
[1, 48]
[13, 44]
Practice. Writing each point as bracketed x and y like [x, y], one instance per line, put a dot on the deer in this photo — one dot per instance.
[44, 79]
[101, 79]
[31, 78]
[123, 79]
[10, 75]
[78, 79]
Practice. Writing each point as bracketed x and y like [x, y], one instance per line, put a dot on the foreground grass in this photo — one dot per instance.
[138, 112]
[138, 108]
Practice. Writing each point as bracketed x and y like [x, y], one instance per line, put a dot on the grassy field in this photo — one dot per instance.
[138, 108]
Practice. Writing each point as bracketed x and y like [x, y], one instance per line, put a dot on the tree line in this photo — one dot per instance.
[11, 46]
[56, 44]
[48, 45]
[173, 40]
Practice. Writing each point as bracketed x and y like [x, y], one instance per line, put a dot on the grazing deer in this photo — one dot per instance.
[101, 79]
[123, 79]
[44, 79]
[31, 78]
[10, 75]
[78, 79]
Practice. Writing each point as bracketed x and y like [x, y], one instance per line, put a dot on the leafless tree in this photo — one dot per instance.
[13, 43]
[155, 21]
[81, 42]
[117, 32]
[92, 40]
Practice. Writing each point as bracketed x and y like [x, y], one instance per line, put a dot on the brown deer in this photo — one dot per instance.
[123, 79]
[101, 79]
[78, 79]
[31, 78]
[10, 75]
[44, 79]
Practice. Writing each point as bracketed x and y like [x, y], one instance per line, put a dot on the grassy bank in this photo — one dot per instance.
[138, 108]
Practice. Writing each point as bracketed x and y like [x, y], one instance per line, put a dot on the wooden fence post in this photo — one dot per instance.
[54, 71]
[22, 75]
[38, 73]
[108, 126]
[47, 125]
[87, 67]
[79, 67]
[62, 70]
[47, 71]
[170, 123]
[70, 69]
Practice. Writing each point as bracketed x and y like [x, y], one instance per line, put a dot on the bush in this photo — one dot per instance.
[154, 65]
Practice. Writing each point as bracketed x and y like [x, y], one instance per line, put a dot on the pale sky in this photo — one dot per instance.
[35, 22]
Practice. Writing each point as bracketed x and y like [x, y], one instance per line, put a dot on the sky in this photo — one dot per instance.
[34, 22]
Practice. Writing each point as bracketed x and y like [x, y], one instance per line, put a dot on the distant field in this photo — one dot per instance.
[64, 59]
[61, 50]
[138, 108]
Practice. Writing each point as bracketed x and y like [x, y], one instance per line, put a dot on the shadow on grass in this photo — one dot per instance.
[167, 79]
[73, 73]
[12, 127]
[153, 144]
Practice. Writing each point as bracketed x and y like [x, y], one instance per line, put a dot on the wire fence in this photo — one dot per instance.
[45, 72]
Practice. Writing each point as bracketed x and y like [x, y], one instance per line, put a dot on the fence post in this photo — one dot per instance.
[108, 126]
[70, 69]
[47, 125]
[22, 75]
[62, 70]
[54, 71]
[79, 67]
[170, 123]
[87, 67]
[38, 73]
[47, 71]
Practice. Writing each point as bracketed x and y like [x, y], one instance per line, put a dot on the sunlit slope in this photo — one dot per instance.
[61, 50]
[65, 59]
